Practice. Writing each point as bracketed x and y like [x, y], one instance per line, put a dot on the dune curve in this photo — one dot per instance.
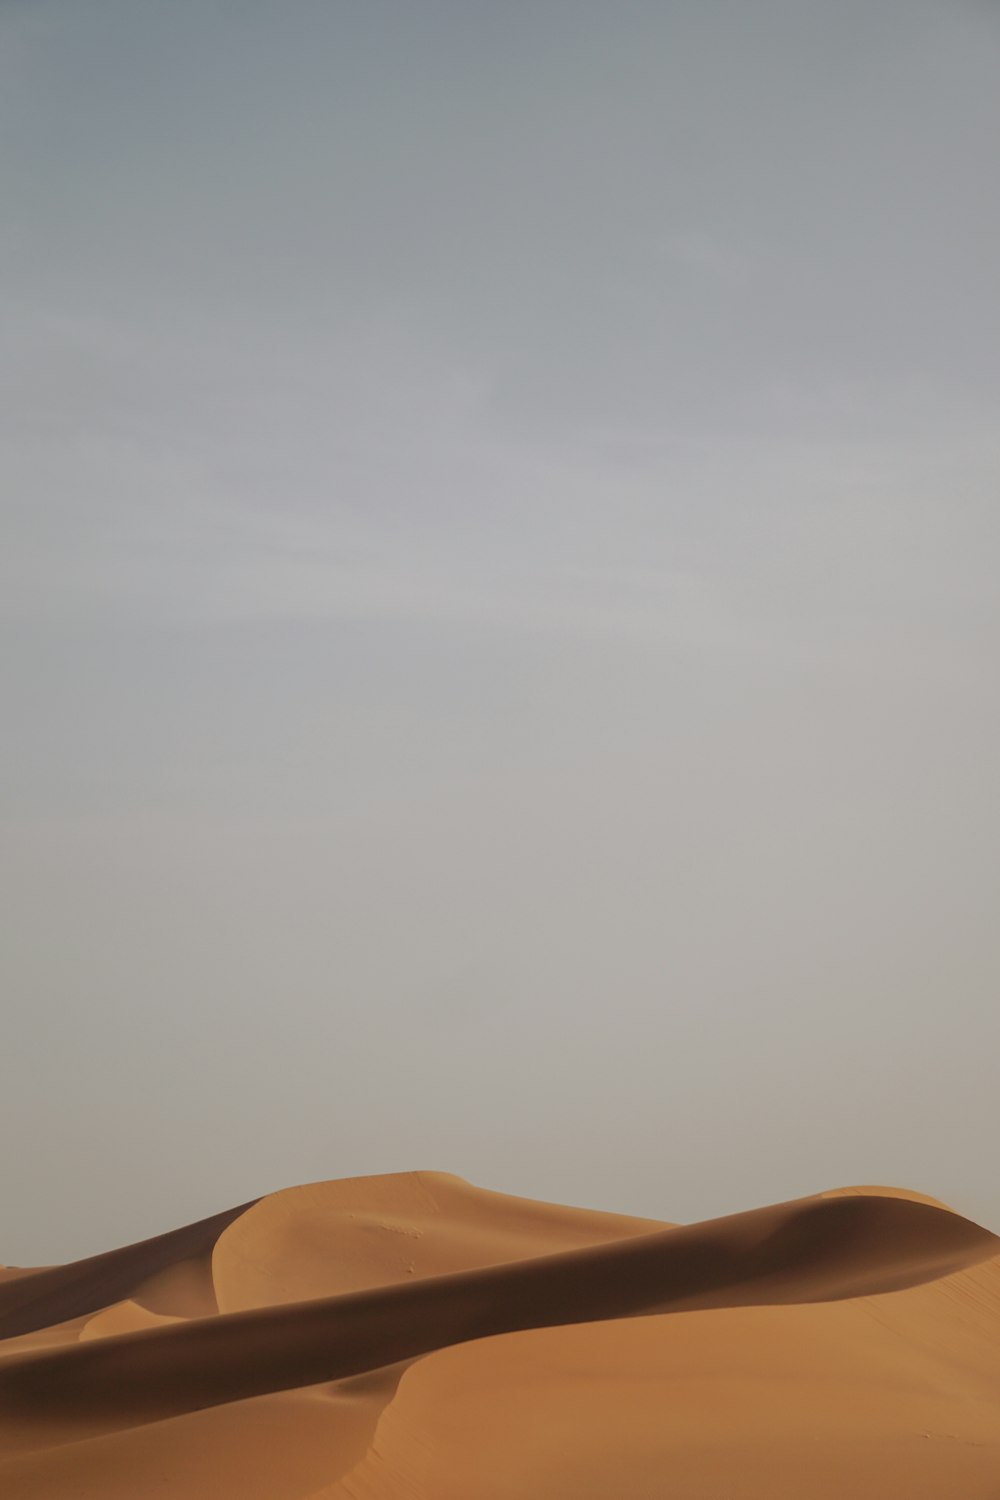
[36, 1299]
[809, 1250]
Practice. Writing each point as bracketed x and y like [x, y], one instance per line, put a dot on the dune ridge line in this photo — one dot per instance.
[815, 1249]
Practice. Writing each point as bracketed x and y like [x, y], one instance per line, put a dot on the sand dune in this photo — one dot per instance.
[415, 1336]
[182, 1259]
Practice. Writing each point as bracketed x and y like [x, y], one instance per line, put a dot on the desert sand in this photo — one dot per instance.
[412, 1337]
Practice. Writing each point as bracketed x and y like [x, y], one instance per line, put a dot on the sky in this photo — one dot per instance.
[499, 539]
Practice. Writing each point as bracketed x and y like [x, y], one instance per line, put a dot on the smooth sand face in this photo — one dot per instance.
[394, 1338]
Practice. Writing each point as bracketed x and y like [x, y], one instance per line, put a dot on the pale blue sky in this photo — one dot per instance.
[499, 546]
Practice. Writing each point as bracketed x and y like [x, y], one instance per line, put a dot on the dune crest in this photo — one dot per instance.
[37, 1299]
[371, 1310]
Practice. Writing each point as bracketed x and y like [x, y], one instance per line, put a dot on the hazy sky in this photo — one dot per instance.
[500, 540]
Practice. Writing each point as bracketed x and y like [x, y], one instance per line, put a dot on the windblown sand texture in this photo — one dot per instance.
[413, 1337]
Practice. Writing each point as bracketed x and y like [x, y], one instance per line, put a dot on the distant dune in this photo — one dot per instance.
[413, 1337]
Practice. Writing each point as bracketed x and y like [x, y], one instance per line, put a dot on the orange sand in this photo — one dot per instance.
[415, 1338]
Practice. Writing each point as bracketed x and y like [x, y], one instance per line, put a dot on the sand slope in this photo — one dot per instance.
[413, 1336]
